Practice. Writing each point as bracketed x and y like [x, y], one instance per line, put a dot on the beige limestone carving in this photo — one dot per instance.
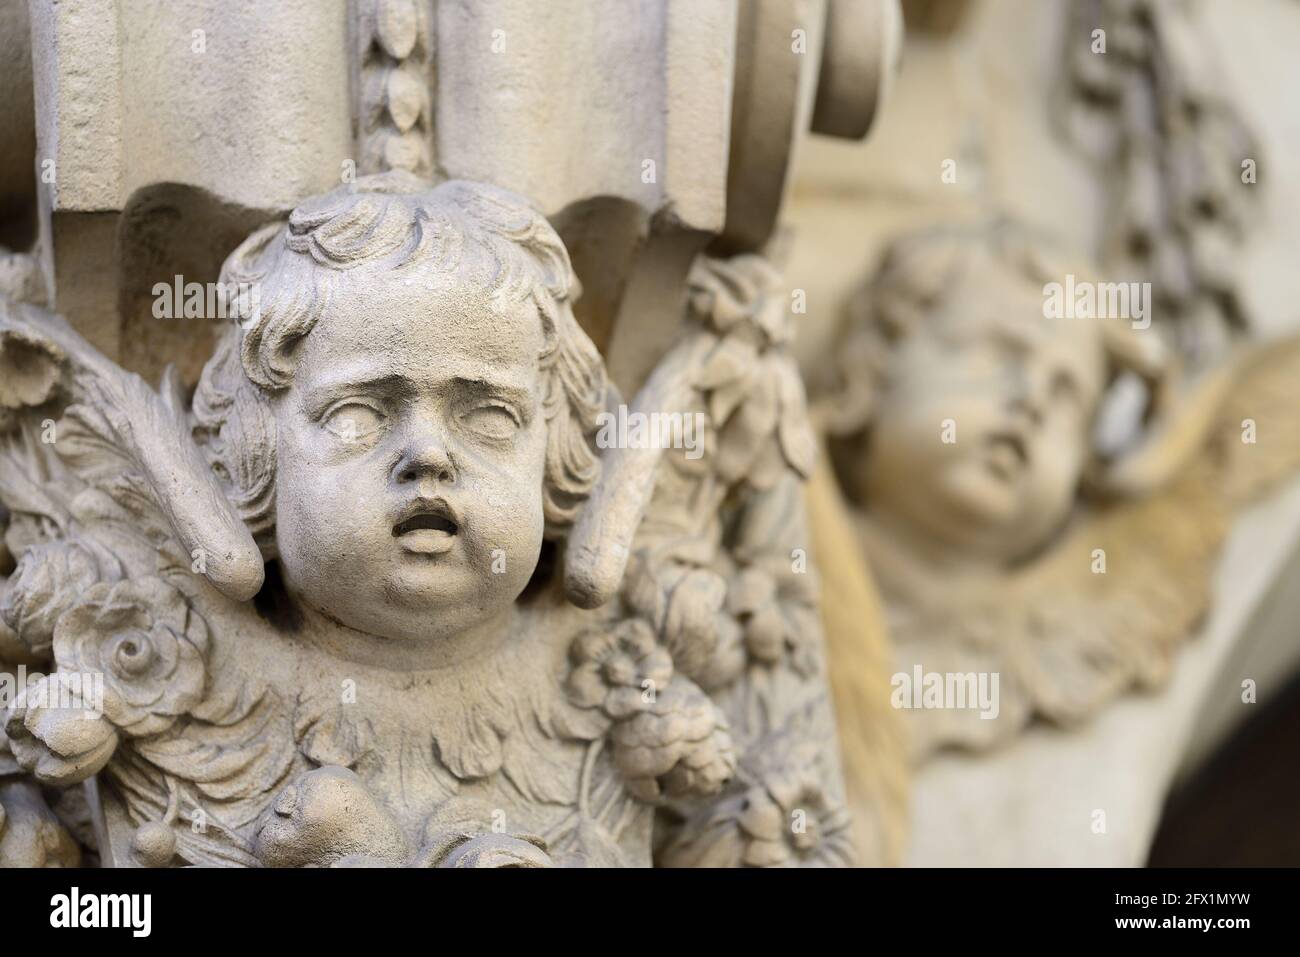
[175, 134]
[1006, 537]
[32, 833]
[394, 47]
[329, 598]
[1178, 163]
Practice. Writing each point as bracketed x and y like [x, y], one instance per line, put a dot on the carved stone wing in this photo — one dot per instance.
[113, 434]
[1106, 609]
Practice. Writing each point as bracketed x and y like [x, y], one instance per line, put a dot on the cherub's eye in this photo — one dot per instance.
[353, 421]
[491, 419]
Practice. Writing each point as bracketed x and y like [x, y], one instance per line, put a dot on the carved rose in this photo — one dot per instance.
[49, 579]
[619, 670]
[149, 645]
[56, 735]
[679, 745]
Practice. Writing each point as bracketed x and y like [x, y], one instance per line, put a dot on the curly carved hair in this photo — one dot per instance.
[482, 235]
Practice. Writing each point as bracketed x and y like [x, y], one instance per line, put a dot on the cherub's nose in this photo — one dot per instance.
[1028, 395]
[1030, 407]
[425, 458]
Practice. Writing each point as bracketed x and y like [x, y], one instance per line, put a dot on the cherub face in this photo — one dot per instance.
[410, 451]
[1020, 391]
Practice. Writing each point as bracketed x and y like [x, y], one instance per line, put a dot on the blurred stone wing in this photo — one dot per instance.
[1106, 609]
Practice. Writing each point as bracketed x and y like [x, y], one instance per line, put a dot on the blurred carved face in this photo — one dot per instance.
[1020, 391]
[410, 457]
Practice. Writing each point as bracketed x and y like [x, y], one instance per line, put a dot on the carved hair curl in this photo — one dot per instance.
[485, 236]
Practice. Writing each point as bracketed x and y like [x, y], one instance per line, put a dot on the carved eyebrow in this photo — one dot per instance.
[387, 383]
[1014, 332]
[520, 398]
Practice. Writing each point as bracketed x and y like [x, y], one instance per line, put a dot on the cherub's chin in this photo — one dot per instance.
[977, 494]
[428, 583]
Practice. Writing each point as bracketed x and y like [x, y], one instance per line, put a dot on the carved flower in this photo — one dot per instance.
[692, 620]
[57, 735]
[784, 818]
[789, 820]
[679, 745]
[149, 645]
[618, 669]
[778, 612]
[700, 635]
[750, 382]
[49, 578]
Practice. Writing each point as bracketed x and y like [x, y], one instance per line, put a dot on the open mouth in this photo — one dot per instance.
[427, 527]
[1007, 453]
[437, 523]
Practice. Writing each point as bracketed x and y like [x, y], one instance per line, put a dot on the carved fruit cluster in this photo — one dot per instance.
[668, 737]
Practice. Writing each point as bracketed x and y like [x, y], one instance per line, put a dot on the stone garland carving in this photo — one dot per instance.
[1150, 112]
[719, 571]
[34, 833]
[394, 71]
[1014, 545]
[314, 598]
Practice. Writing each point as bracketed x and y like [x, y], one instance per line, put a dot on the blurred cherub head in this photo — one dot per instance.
[966, 416]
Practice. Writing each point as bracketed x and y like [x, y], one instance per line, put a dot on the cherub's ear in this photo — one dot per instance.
[600, 541]
[147, 433]
[1179, 414]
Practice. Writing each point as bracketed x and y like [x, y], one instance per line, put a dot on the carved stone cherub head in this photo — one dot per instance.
[989, 503]
[403, 418]
[967, 421]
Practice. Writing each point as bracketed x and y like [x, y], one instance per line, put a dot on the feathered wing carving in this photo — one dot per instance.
[119, 528]
[130, 442]
[700, 691]
[1066, 637]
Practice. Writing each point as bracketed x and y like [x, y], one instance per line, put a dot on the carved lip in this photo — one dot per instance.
[1008, 453]
[427, 526]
